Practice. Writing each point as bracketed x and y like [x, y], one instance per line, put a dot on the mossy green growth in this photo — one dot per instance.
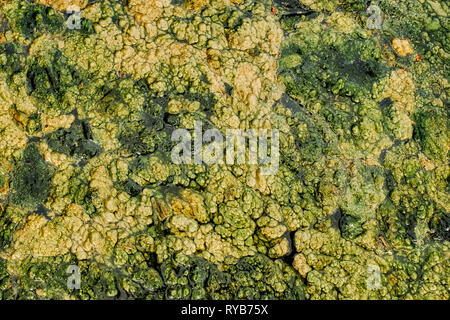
[31, 179]
[5, 280]
[12, 58]
[53, 82]
[40, 279]
[2, 180]
[7, 228]
[440, 226]
[35, 18]
[273, 279]
[432, 132]
[136, 276]
[347, 66]
[77, 141]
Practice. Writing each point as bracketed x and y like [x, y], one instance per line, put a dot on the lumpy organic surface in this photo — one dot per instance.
[358, 207]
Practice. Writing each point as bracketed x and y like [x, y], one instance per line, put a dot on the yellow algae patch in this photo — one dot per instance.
[191, 205]
[101, 182]
[301, 265]
[342, 22]
[40, 238]
[146, 11]
[402, 47]
[64, 5]
[43, 45]
[400, 88]
[13, 138]
[247, 83]
[50, 123]
[196, 4]
[59, 160]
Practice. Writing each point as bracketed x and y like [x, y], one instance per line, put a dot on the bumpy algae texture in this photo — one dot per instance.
[359, 208]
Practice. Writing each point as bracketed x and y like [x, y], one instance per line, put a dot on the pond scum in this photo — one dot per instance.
[358, 209]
